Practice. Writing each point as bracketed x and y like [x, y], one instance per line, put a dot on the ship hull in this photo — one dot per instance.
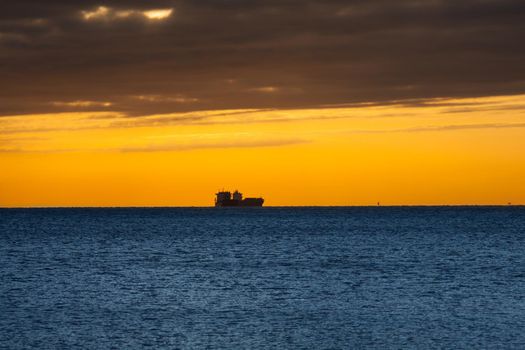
[247, 202]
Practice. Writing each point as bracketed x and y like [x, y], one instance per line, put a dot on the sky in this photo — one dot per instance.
[164, 102]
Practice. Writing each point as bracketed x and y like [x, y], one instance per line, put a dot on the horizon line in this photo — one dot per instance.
[267, 206]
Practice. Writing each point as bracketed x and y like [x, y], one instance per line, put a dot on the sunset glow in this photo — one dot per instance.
[395, 154]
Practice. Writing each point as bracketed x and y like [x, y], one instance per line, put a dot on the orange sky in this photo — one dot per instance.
[462, 151]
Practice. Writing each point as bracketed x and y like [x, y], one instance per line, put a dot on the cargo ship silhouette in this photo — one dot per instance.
[226, 199]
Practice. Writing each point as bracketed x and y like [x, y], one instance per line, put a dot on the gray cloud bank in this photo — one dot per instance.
[220, 54]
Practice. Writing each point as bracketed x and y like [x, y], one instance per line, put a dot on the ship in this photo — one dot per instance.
[227, 199]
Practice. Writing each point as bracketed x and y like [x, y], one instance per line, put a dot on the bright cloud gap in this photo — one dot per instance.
[81, 104]
[107, 13]
[166, 99]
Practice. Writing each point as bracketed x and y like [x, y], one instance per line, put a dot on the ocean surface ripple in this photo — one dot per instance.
[250, 278]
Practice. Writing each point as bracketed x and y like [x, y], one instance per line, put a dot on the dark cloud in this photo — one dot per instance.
[255, 54]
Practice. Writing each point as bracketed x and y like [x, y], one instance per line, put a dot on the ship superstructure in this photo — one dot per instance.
[235, 199]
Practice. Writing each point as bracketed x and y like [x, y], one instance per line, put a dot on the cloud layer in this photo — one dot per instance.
[163, 56]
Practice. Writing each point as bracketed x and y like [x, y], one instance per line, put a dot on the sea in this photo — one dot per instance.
[263, 278]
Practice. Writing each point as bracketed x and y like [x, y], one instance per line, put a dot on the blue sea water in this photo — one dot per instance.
[250, 278]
